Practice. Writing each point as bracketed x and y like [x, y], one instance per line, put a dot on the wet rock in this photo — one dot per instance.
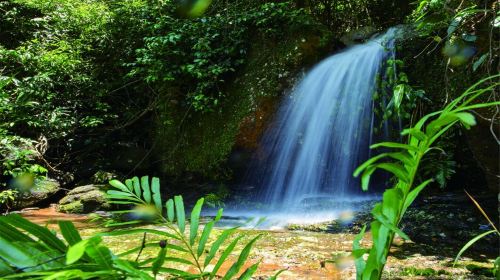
[103, 177]
[40, 193]
[358, 36]
[84, 199]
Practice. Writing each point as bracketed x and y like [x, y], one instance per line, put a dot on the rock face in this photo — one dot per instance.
[84, 199]
[39, 193]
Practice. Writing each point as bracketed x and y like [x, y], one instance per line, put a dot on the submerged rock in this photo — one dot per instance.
[84, 199]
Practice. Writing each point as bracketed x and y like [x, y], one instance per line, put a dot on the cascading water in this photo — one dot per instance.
[322, 132]
[323, 129]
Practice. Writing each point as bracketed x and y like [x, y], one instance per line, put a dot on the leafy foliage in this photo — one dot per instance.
[18, 156]
[397, 98]
[454, 24]
[76, 72]
[348, 15]
[203, 53]
[146, 197]
[404, 165]
[31, 251]
[7, 197]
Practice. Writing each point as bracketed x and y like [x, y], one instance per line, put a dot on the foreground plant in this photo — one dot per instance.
[146, 197]
[404, 164]
[30, 251]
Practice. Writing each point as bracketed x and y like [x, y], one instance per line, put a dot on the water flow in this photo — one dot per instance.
[323, 129]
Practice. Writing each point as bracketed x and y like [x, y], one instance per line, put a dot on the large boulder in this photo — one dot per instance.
[41, 191]
[84, 199]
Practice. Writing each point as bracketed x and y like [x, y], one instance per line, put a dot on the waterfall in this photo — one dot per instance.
[323, 129]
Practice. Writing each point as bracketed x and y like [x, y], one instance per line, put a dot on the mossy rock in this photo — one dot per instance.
[84, 199]
[41, 191]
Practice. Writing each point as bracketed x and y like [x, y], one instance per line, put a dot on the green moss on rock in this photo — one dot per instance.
[84, 199]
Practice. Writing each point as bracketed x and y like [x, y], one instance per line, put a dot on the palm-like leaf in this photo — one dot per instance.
[173, 215]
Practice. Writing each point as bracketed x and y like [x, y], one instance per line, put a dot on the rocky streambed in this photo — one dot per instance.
[438, 226]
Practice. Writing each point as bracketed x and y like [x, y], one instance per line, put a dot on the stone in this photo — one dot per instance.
[359, 35]
[84, 199]
[103, 177]
[41, 192]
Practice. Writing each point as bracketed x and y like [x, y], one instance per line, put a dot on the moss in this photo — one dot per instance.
[414, 271]
[188, 141]
[72, 207]
[84, 199]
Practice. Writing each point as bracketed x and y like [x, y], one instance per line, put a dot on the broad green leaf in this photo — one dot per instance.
[467, 119]
[129, 185]
[131, 270]
[413, 194]
[217, 243]
[15, 254]
[236, 267]
[170, 210]
[394, 145]
[146, 191]
[405, 158]
[76, 251]
[119, 224]
[179, 210]
[415, 133]
[177, 272]
[40, 232]
[443, 120]
[365, 178]
[382, 219]
[480, 61]
[5, 268]
[124, 199]
[119, 185]
[138, 231]
[395, 169]
[455, 23]
[177, 248]
[69, 232]
[11, 233]
[137, 187]
[471, 242]
[178, 260]
[159, 261]
[399, 91]
[155, 188]
[249, 272]
[100, 254]
[137, 249]
[224, 256]
[218, 215]
[195, 219]
[368, 163]
[206, 233]
[127, 195]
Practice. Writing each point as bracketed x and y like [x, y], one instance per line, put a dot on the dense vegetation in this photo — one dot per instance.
[179, 89]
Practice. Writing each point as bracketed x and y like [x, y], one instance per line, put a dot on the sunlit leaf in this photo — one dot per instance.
[179, 210]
